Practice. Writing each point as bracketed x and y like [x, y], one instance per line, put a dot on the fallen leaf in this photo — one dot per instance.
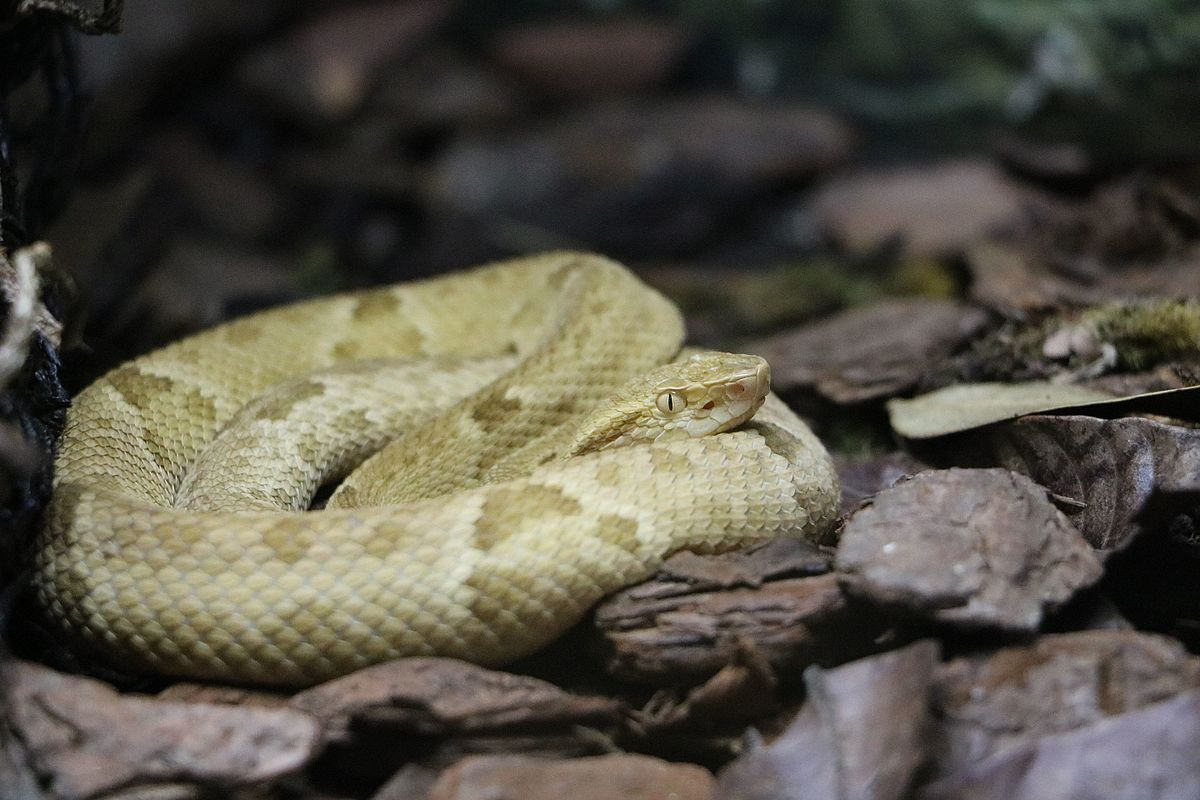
[1147, 754]
[870, 352]
[935, 209]
[972, 548]
[863, 477]
[861, 734]
[972, 405]
[1110, 468]
[582, 58]
[1014, 281]
[991, 702]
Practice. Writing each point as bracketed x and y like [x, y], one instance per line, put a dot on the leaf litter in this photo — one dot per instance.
[1010, 611]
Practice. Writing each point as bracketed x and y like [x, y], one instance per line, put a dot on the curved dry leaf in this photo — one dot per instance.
[871, 352]
[862, 733]
[973, 405]
[1014, 281]
[1110, 467]
[863, 477]
[986, 703]
[1147, 754]
[935, 209]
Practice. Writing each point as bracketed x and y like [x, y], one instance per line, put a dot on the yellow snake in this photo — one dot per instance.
[558, 447]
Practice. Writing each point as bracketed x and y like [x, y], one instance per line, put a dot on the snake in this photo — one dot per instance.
[509, 444]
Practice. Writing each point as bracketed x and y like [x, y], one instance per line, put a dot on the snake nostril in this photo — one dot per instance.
[709, 405]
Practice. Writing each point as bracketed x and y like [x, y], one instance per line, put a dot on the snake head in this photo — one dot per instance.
[703, 394]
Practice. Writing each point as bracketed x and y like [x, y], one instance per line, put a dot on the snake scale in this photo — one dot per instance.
[520, 487]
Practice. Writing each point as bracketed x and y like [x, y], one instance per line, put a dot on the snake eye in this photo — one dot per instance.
[671, 402]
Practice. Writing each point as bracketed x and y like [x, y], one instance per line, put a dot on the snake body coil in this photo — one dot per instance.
[177, 539]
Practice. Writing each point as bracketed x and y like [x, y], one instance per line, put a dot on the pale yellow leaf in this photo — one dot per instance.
[970, 405]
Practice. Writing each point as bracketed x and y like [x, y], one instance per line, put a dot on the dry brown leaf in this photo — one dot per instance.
[860, 735]
[935, 209]
[1109, 468]
[991, 702]
[1147, 754]
[1015, 282]
[871, 352]
[863, 477]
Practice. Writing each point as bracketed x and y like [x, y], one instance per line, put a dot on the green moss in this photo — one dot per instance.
[1148, 333]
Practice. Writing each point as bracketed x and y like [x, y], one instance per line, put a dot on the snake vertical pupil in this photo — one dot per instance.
[670, 402]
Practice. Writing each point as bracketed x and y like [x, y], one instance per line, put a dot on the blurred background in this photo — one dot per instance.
[764, 162]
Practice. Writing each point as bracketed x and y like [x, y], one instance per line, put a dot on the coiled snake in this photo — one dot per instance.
[524, 488]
